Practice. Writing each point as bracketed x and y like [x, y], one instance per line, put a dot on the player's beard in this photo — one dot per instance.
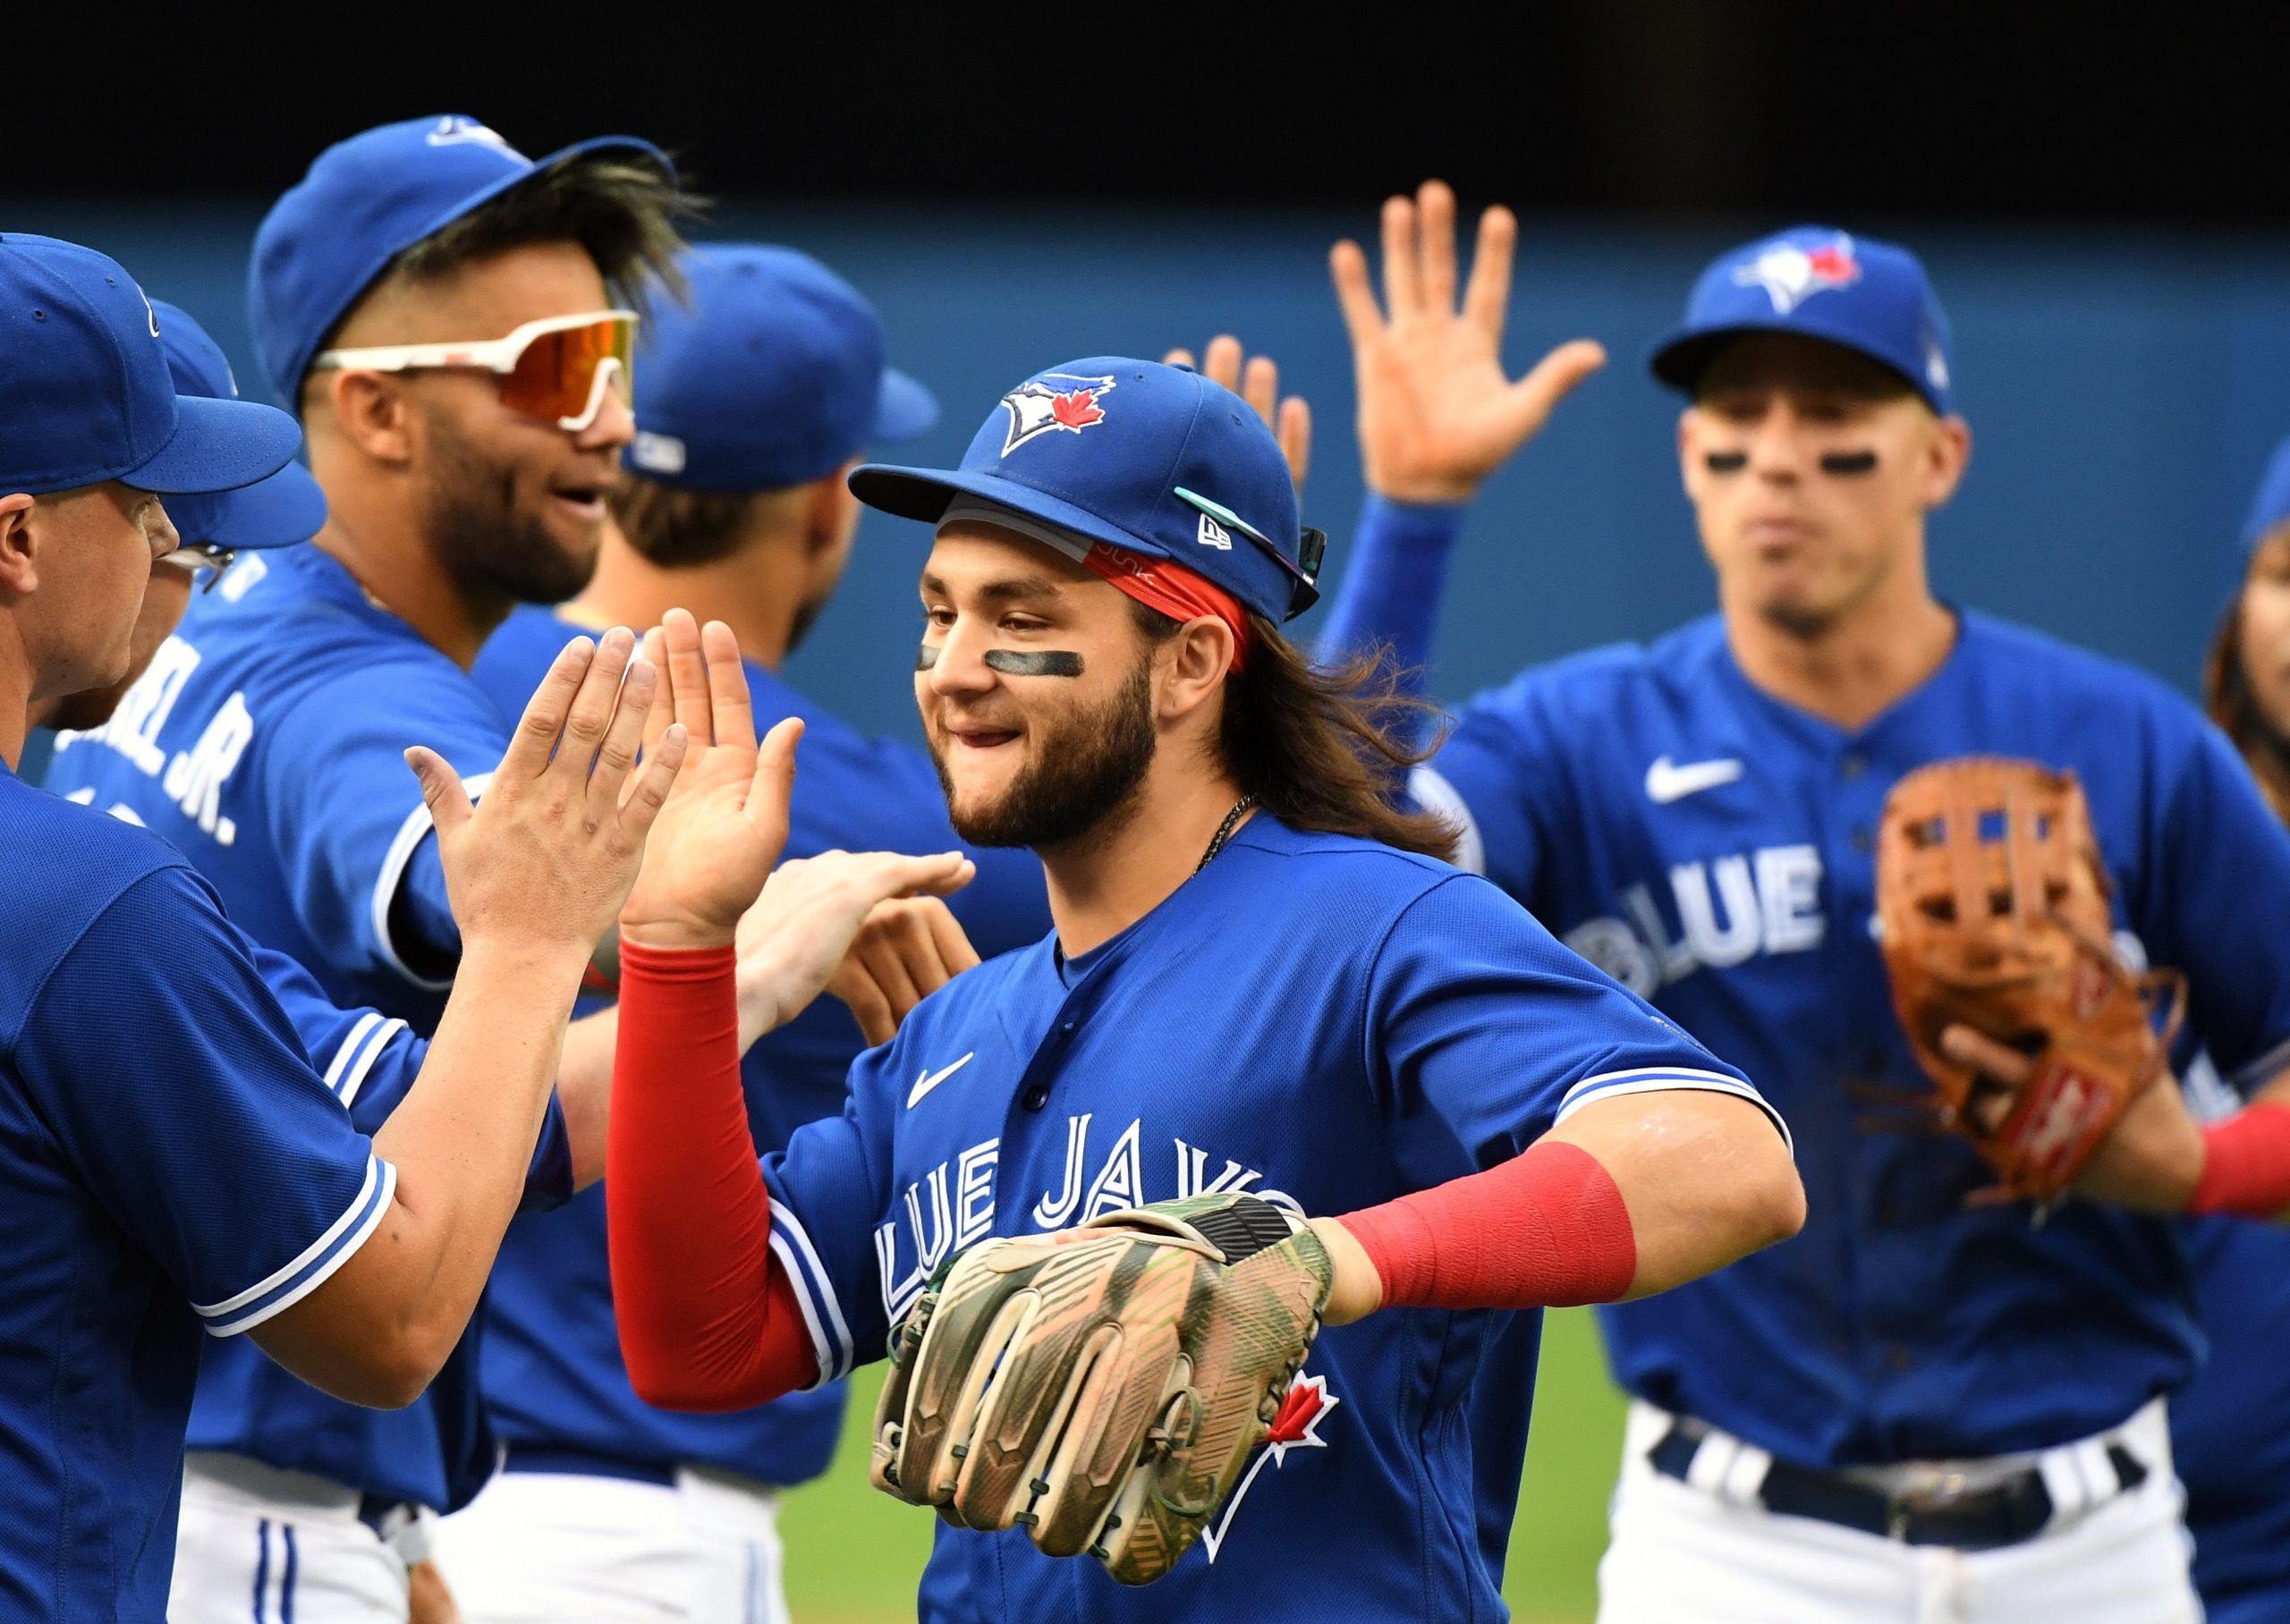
[1082, 781]
[489, 545]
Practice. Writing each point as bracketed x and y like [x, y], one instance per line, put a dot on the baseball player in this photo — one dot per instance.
[2228, 1432]
[1918, 1408]
[175, 1163]
[453, 324]
[1262, 988]
[758, 396]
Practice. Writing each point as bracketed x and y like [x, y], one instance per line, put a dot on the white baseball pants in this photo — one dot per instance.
[1682, 1555]
[543, 1547]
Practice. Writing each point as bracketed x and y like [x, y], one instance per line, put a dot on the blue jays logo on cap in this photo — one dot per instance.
[456, 130]
[1152, 459]
[1816, 281]
[1790, 274]
[1055, 403]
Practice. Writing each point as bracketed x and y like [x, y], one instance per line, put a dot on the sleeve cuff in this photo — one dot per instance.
[318, 1261]
[1657, 1079]
[1415, 526]
[823, 1317]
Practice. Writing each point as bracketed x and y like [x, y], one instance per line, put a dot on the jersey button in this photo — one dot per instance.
[1853, 765]
[1069, 1027]
[1035, 1098]
[1862, 841]
[1899, 1357]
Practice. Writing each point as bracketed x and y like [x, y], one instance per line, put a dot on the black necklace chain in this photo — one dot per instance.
[1225, 830]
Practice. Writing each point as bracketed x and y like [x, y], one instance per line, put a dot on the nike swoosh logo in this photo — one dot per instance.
[931, 1079]
[1666, 781]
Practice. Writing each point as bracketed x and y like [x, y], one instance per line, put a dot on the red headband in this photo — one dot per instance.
[1177, 592]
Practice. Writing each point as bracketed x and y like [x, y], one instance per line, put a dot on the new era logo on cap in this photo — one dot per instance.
[1047, 405]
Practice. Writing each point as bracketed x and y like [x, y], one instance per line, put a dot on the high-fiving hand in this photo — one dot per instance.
[1259, 384]
[724, 828]
[1437, 414]
[543, 861]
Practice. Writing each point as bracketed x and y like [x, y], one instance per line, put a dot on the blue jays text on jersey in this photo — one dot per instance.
[173, 1161]
[554, 1378]
[1711, 847]
[1326, 1022]
[266, 742]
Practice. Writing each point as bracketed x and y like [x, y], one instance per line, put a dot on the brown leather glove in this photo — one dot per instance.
[1994, 904]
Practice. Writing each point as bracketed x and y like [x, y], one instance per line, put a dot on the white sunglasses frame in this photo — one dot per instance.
[496, 355]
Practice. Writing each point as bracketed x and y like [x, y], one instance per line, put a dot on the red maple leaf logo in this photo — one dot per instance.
[1304, 1403]
[1832, 264]
[1076, 409]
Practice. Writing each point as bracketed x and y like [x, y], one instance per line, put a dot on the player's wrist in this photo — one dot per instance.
[1425, 490]
[1356, 1288]
[671, 933]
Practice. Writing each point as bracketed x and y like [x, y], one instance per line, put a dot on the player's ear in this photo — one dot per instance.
[19, 572]
[832, 515]
[1948, 455]
[1687, 426]
[1193, 665]
[373, 410]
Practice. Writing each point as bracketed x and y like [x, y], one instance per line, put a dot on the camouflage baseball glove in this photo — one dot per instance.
[1994, 904]
[1101, 1387]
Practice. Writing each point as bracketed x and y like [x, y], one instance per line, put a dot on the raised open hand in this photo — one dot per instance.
[725, 819]
[1437, 414]
[1259, 384]
[546, 857]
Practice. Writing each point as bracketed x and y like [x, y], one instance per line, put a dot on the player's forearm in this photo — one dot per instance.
[1394, 583]
[2245, 1160]
[462, 1141]
[1653, 1191]
[705, 1320]
[584, 1091]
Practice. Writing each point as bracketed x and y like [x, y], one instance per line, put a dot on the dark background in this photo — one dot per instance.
[2103, 208]
[1689, 106]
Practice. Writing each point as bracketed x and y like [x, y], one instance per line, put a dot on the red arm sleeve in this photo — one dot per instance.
[2246, 1165]
[707, 1320]
[1548, 1229]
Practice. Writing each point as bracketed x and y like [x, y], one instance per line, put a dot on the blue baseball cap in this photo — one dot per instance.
[772, 377]
[1869, 297]
[1135, 454]
[85, 391]
[2271, 505]
[278, 511]
[365, 201]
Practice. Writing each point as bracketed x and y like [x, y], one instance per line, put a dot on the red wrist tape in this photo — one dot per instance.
[2246, 1165]
[1548, 1229]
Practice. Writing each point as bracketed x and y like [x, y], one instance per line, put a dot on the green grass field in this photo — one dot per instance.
[853, 1555]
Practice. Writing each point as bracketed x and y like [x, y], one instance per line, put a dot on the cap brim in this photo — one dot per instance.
[923, 494]
[218, 445]
[904, 409]
[1680, 358]
[279, 511]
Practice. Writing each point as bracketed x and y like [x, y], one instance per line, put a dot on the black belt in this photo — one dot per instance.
[586, 1463]
[2005, 1513]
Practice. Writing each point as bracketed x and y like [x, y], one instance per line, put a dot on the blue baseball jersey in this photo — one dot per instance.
[2230, 1428]
[553, 1374]
[172, 1162]
[1712, 848]
[266, 743]
[1322, 1021]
